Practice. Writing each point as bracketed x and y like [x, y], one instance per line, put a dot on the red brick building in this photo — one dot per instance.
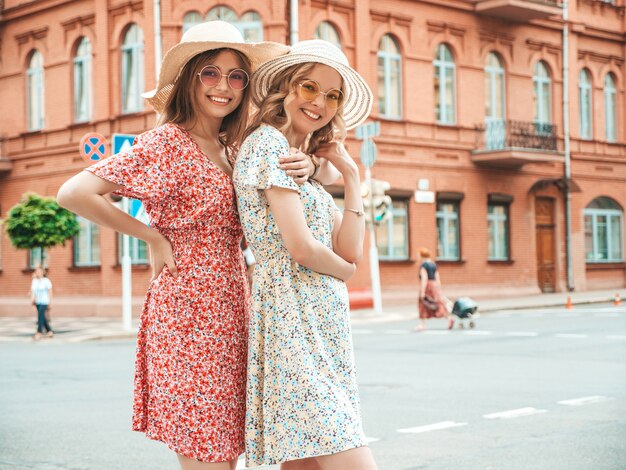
[473, 139]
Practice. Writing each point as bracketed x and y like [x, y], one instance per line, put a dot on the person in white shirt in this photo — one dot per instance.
[40, 296]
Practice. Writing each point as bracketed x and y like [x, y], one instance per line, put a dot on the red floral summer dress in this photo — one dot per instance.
[190, 371]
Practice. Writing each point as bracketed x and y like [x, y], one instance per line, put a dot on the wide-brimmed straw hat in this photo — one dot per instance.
[201, 38]
[358, 100]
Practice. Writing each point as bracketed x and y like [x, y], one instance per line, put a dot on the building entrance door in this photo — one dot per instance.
[544, 226]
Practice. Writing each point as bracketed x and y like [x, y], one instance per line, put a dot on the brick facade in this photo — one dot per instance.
[411, 148]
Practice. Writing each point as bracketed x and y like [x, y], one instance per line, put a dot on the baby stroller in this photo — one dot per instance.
[464, 308]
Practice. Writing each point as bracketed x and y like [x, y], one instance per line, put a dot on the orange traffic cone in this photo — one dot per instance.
[616, 300]
[568, 304]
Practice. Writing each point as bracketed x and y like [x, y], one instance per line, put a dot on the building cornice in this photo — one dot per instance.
[30, 8]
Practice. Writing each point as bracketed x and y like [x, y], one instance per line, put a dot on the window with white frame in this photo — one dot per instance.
[37, 258]
[448, 234]
[35, 92]
[222, 13]
[542, 94]
[498, 231]
[190, 19]
[138, 250]
[327, 32]
[132, 70]
[87, 244]
[251, 26]
[610, 108]
[82, 81]
[389, 78]
[445, 85]
[495, 128]
[392, 235]
[604, 222]
[584, 98]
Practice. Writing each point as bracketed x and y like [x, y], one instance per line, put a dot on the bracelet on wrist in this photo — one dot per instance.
[358, 212]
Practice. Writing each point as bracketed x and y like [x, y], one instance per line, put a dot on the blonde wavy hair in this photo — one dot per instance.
[182, 102]
[272, 110]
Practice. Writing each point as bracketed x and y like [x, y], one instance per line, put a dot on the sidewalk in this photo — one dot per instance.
[78, 329]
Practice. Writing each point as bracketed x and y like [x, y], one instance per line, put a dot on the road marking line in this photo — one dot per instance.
[607, 315]
[397, 332]
[583, 401]
[528, 411]
[478, 333]
[570, 335]
[622, 337]
[371, 439]
[567, 315]
[522, 333]
[431, 427]
[436, 332]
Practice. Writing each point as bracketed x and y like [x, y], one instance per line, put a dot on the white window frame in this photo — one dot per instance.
[611, 215]
[35, 100]
[495, 128]
[250, 22]
[91, 233]
[446, 254]
[442, 66]
[133, 87]
[585, 101]
[400, 208]
[541, 81]
[37, 257]
[222, 13]
[610, 108]
[328, 32]
[390, 58]
[83, 101]
[502, 252]
[191, 18]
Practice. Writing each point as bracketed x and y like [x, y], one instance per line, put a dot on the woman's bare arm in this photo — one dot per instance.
[287, 210]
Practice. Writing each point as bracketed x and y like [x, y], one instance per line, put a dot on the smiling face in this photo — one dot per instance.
[309, 116]
[217, 102]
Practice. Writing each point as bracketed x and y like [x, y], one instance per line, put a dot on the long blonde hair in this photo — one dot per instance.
[181, 104]
[272, 110]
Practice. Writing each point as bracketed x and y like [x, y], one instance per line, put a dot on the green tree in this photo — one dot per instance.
[39, 222]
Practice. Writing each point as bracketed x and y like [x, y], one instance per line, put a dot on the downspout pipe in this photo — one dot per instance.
[293, 22]
[566, 150]
[158, 47]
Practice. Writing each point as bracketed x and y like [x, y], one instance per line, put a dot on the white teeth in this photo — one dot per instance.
[310, 114]
[219, 99]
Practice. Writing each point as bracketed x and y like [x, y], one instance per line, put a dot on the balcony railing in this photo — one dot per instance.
[521, 135]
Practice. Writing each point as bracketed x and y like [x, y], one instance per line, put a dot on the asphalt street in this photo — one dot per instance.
[535, 389]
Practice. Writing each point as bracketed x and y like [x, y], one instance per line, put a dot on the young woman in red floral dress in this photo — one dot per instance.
[190, 375]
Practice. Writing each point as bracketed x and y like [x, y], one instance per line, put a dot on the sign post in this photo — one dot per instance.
[368, 156]
[122, 142]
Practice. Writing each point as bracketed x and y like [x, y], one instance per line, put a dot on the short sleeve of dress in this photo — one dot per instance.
[259, 165]
[141, 170]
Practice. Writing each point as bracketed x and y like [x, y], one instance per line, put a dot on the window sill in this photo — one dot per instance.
[83, 269]
[451, 261]
[450, 125]
[501, 261]
[598, 266]
[32, 132]
[398, 261]
[78, 124]
[134, 267]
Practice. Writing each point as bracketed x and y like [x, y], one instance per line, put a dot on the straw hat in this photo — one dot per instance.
[201, 38]
[358, 96]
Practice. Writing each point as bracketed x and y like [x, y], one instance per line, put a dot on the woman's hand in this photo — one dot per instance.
[161, 254]
[298, 165]
[348, 272]
[336, 153]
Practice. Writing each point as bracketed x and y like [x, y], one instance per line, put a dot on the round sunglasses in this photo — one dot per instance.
[310, 89]
[211, 75]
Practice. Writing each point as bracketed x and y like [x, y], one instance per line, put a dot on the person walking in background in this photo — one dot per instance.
[190, 369]
[303, 408]
[431, 303]
[40, 297]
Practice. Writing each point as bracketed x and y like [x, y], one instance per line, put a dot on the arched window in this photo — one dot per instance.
[445, 88]
[604, 231]
[610, 108]
[327, 32]
[542, 94]
[35, 92]
[82, 81]
[222, 13]
[132, 70]
[251, 26]
[584, 89]
[389, 78]
[495, 97]
[190, 19]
